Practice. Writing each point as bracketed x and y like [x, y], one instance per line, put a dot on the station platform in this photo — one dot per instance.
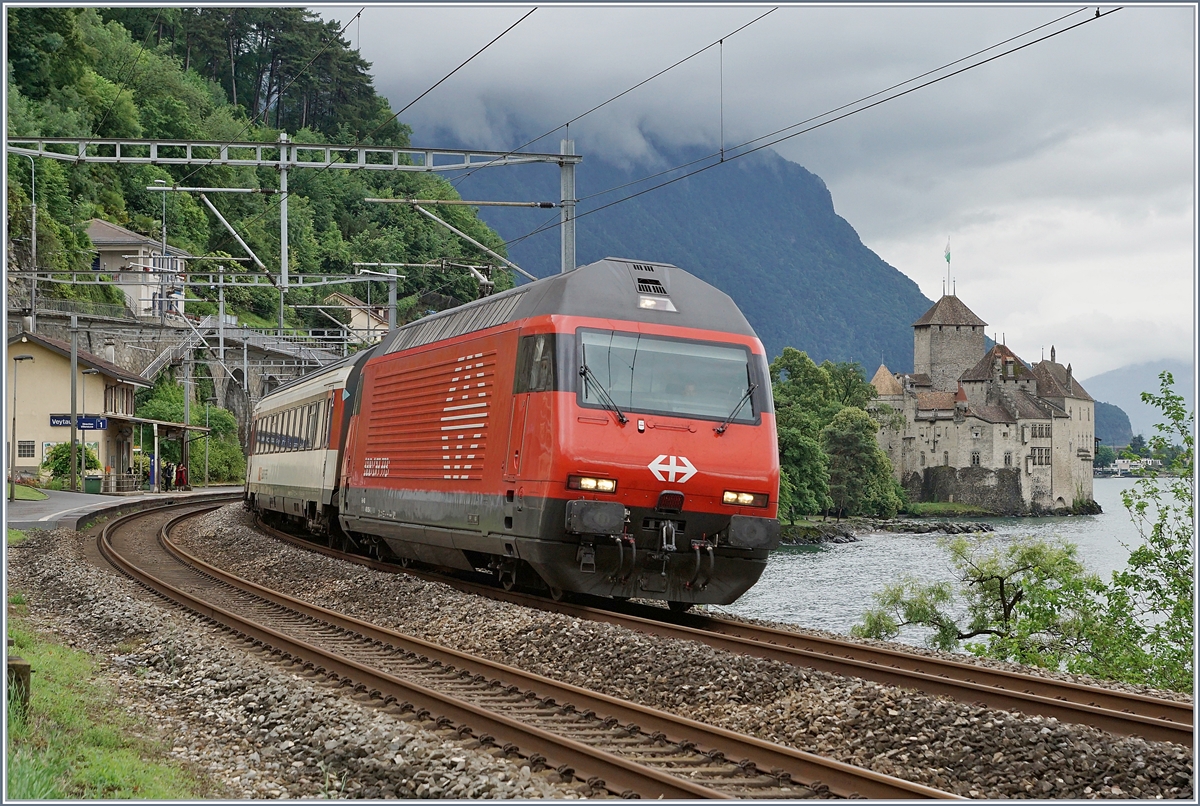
[62, 509]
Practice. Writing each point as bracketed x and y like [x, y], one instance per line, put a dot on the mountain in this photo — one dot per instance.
[760, 228]
[1124, 386]
[1112, 425]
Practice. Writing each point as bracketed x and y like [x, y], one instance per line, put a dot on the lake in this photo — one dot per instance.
[829, 586]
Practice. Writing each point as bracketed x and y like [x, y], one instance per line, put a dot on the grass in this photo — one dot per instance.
[15, 536]
[25, 493]
[74, 742]
[941, 509]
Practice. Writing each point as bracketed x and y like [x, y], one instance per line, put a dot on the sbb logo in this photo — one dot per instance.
[677, 469]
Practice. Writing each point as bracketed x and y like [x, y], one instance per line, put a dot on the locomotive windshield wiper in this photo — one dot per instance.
[720, 429]
[590, 377]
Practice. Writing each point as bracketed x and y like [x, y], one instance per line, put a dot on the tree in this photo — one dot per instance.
[1026, 598]
[860, 475]
[1148, 615]
[58, 461]
[1105, 456]
[1137, 448]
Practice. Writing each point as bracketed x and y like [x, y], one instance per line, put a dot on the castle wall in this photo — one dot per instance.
[998, 491]
[953, 349]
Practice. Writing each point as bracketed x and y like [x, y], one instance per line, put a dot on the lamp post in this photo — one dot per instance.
[92, 371]
[12, 469]
[162, 277]
[207, 400]
[33, 241]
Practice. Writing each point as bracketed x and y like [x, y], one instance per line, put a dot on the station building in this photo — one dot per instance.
[39, 390]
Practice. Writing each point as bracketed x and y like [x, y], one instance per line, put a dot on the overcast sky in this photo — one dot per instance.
[1062, 174]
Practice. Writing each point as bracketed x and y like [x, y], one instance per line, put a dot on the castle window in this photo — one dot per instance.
[974, 458]
[922, 458]
[1008, 458]
[946, 458]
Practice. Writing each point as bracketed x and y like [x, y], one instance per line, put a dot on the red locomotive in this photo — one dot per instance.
[608, 430]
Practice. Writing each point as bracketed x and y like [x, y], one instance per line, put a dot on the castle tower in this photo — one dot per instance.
[947, 341]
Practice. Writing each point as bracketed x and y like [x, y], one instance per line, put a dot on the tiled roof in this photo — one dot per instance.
[949, 310]
[935, 400]
[920, 379]
[992, 414]
[1025, 406]
[983, 370]
[105, 233]
[86, 359]
[885, 382]
[1053, 380]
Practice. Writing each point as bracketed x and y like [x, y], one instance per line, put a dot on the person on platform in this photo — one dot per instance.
[168, 474]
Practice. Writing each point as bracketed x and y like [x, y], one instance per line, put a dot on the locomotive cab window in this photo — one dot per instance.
[535, 364]
[678, 377]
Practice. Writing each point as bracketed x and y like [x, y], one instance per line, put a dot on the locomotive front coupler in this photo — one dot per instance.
[668, 536]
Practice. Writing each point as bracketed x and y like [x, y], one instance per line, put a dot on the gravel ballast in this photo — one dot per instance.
[254, 728]
[963, 749]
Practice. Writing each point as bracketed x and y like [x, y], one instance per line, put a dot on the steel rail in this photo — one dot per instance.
[841, 778]
[1118, 712]
[613, 769]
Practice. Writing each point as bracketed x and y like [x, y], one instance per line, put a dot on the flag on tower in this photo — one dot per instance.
[947, 250]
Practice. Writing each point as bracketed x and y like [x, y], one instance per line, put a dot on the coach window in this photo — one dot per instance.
[310, 439]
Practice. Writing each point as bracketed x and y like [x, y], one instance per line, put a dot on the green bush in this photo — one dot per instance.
[59, 460]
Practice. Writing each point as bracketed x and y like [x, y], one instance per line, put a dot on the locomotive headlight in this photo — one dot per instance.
[591, 484]
[744, 499]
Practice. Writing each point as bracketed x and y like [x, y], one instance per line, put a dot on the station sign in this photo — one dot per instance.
[81, 422]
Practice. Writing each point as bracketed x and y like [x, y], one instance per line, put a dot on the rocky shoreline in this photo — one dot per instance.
[809, 533]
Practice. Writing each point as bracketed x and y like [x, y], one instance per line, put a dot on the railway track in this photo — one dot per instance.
[1115, 711]
[616, 746]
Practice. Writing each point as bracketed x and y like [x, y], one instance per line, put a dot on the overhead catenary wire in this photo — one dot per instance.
[838, 108]
[360, 142]
[120, 85]
[550, 226]
[624, 92]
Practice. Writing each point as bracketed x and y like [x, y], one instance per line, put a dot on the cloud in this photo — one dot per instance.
[1064, 172]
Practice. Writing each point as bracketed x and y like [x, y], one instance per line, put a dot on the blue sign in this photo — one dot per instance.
[92, 423]
[60, 420]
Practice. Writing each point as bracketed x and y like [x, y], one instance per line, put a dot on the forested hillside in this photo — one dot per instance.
[217, 74]
[761, 228]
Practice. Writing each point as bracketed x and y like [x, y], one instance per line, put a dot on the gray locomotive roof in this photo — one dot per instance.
[612, 288]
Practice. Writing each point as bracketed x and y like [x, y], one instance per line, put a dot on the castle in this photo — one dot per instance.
[985, 428]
